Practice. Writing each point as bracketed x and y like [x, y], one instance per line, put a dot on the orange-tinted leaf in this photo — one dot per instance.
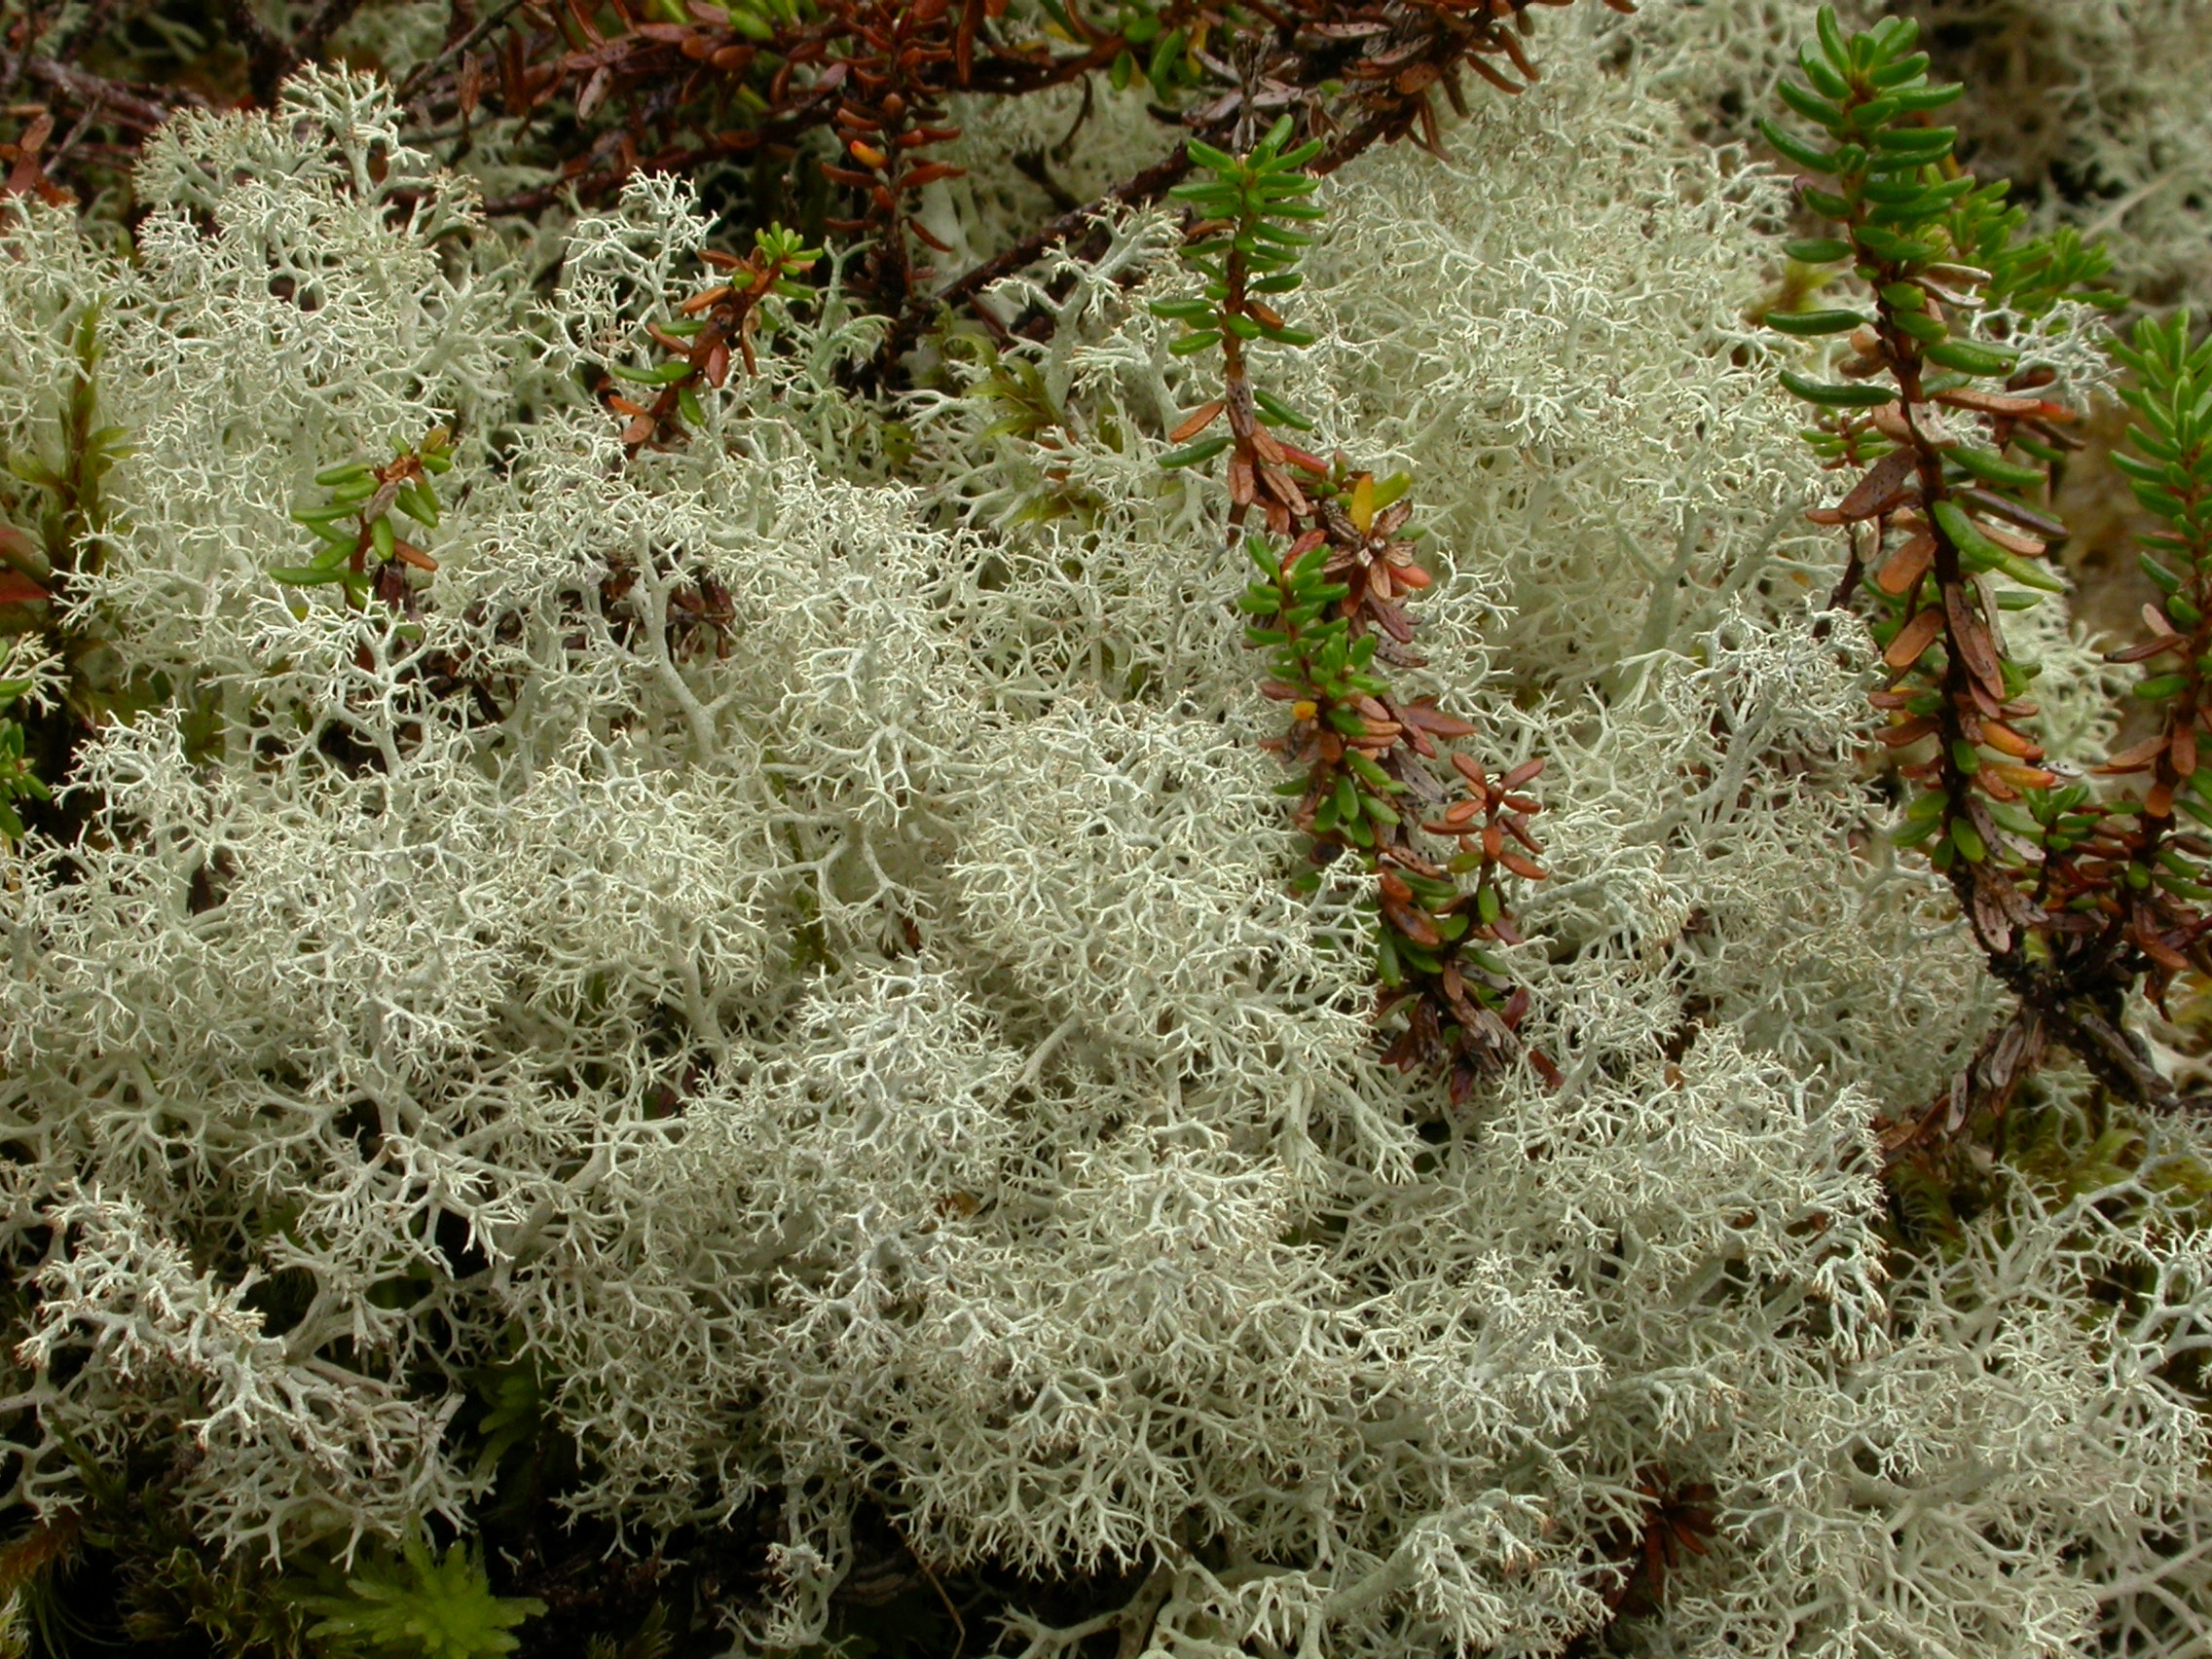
[1200, 418]
[1998, 403]
[1431, 719]
[1906, 566]
[929, 172]
[964, 39]
[1396, 622]
[1887, 484]
[710, 297]
[1970, 636]
[1514, 88]
[2006, 741]
[1283, 488]
[1915, 637]
[2135, 757]
[2147, 649]
[2011, 540]
[1413, 924]
[1988, 501]
[1912, 731]
[2165, 955]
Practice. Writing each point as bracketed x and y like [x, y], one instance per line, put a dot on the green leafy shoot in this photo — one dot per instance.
[2028, 275]
[18, 782]
[707, 331]
[1953, 482]
[358, 544]
[421, 1605]
[2172, 476]
[1249, 207]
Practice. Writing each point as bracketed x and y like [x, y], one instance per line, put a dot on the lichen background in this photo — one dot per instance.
[860, 1072]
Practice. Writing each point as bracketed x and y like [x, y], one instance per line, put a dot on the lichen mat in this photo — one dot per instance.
[682, 991]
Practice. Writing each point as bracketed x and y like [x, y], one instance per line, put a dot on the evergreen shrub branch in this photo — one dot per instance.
[699, 337]
[361, 550]
[1337, 562]
[2073, 898]
[699, 84]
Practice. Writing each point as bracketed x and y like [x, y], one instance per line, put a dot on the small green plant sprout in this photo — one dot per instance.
[361, 549]
[18, 782]
[651, 1640]
[2165, 876]
[514, 1411]
[1157, 50]
[705, 329]
[1328, 608]
[71, 513]
[419, 1604]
